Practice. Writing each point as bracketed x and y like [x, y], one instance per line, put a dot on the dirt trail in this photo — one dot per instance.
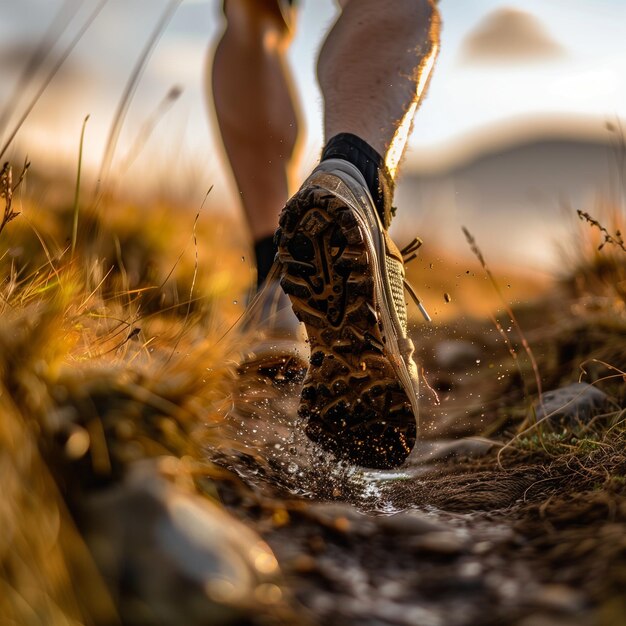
[459, 535]
[183, 492]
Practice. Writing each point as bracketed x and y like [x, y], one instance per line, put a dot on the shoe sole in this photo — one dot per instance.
[352, 399]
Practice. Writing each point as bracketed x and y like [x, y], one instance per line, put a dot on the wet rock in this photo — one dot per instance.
[558, 598]
[470, 570]
[430, 451]
[443, 542]
[278, 361]
[342, 517]
[409, 523]
[505, 585]
[350, 579]
[572, 405]
[392, 590]
[556, 620]
[172, 557]
[456, 354]
[407, 615]
[482, 547]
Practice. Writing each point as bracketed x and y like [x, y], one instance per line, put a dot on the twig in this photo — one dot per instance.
[7, 189]
[476, 250]
[193, 280]
[33, 64]
[617, 239]
[129, 91]
[52, 74]
[77, 190]
[150, 124]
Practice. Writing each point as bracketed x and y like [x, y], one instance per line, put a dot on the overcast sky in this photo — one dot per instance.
[498, 60]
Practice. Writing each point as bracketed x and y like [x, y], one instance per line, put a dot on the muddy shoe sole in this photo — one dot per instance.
[352, 398]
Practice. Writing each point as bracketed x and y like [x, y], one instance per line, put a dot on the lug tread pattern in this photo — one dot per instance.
[352, 399]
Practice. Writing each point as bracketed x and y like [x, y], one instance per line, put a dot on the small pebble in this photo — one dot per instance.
[443, 542]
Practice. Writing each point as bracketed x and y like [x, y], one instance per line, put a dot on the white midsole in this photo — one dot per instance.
[370, 224]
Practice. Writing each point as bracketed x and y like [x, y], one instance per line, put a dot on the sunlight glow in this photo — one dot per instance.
[401, 136]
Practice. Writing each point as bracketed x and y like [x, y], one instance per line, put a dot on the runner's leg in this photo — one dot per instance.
[257, 115]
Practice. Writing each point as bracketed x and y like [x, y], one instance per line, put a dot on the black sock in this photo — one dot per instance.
[371, 164]
[264, 250]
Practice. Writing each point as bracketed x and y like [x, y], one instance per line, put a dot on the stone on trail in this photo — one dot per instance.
[440, 450]
[444, 542]
[456, 354]
[177, 557]
[573, 405]
[342, 517]
[410, 523]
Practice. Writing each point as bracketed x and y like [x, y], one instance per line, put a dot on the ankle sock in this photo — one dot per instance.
[371, 164]
[379, 182]
[264, 250]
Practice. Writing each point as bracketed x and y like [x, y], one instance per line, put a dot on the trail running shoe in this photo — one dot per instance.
[345, 278]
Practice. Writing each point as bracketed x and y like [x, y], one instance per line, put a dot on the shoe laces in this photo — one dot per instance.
[409, 253]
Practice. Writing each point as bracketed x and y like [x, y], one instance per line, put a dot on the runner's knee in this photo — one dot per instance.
[253, 20]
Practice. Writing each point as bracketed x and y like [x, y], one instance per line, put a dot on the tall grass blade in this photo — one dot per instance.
[476, 250]
[150, 124]
[129, 91]
[77, 190]
[53, 33]
[52, 73]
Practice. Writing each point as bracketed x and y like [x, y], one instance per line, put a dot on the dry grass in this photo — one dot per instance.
[457, 287]
[116, 354]
[120, 352]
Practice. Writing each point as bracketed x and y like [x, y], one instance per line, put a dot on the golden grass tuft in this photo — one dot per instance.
[121, 352]
[116, 354]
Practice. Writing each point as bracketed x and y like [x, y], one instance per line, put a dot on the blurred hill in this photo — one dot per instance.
[516, 187]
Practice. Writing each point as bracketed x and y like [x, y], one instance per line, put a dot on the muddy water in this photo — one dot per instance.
[427, 544]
